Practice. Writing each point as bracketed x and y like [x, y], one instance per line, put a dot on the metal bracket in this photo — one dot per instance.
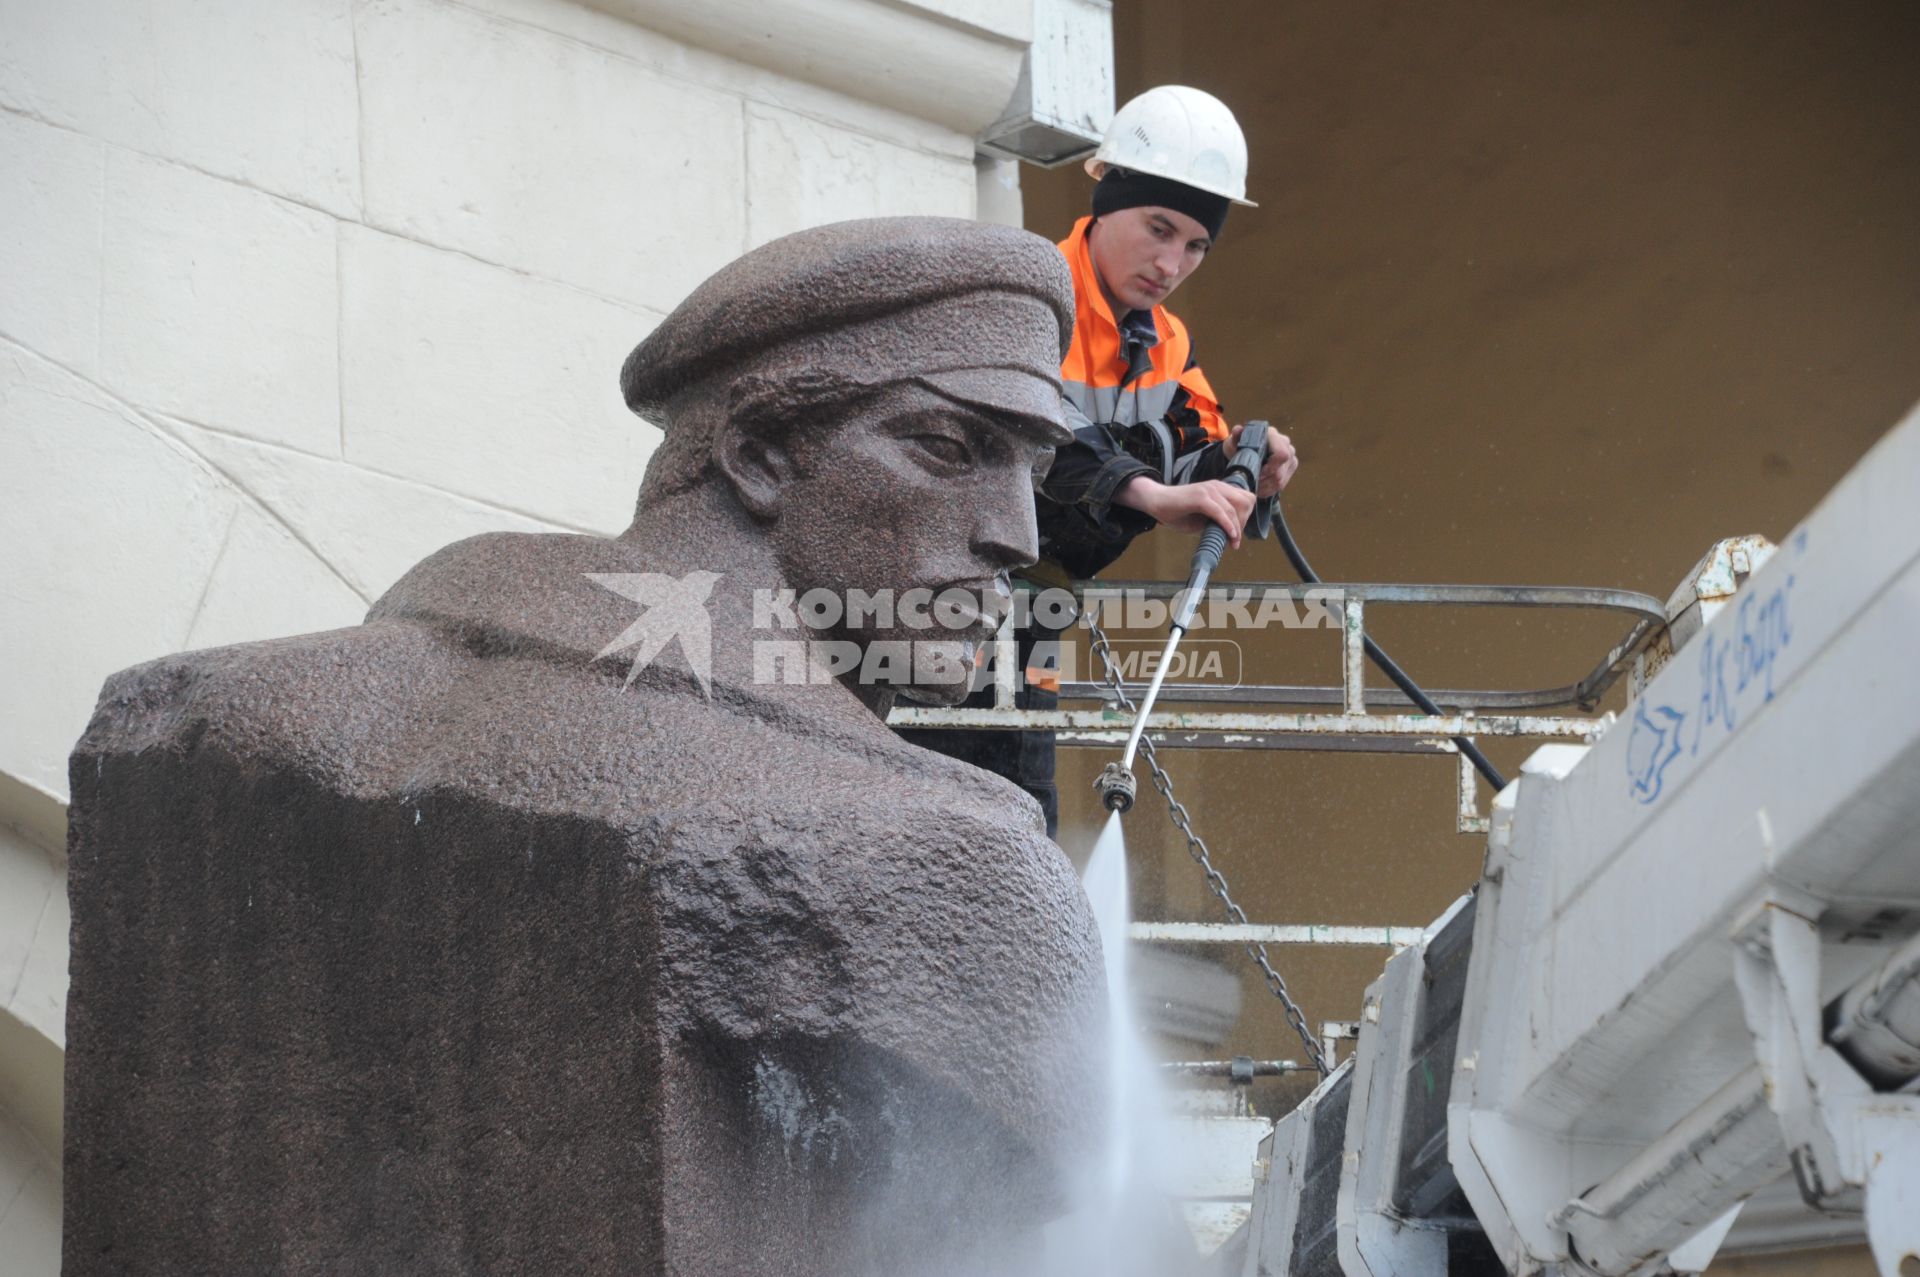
[1714, 580]
[1851, 1147]
[1777, 972]
[1334, 1032]
[1470, 821]
[1888, 1135]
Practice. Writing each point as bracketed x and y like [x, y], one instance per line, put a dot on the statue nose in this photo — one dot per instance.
[1006, 533]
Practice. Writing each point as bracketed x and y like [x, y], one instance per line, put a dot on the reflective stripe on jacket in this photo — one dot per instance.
[1119, 379]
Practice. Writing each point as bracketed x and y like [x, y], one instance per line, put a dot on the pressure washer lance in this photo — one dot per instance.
[1116, 783]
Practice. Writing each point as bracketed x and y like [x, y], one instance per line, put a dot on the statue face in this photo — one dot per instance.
[914, 494]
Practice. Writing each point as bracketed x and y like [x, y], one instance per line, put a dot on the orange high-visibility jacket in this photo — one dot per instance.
[1137, 403]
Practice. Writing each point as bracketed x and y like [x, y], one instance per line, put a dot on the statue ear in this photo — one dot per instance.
[751, 450]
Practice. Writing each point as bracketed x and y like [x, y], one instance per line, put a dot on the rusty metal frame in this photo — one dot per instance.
[1394, 938]
[1354, 726]
[1649, 613]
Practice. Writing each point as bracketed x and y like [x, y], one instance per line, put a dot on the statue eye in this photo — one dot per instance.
[944, 449]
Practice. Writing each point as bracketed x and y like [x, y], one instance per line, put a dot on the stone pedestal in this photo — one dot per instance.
[427, 947]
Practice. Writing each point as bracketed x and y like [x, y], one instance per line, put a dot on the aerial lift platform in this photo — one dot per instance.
[1686, 989]
[1689, 975]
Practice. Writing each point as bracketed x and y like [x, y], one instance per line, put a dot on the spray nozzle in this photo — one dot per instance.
[1117, 787]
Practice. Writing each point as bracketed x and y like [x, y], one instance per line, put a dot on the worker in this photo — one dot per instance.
[1151, 443]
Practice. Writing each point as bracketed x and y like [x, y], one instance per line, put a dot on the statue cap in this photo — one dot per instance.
[936, 299]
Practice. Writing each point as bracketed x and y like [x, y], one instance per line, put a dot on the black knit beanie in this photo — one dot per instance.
[1123, 188]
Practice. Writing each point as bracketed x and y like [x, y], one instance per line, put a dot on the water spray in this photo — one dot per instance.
[1116, 782]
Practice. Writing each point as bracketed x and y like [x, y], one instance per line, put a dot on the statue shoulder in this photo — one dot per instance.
[328, 700]
[495, 574]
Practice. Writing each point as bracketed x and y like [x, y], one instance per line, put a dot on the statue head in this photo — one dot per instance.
[876, 398]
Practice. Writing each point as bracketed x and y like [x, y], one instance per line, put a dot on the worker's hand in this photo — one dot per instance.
[1281, 461]
[1190, 507]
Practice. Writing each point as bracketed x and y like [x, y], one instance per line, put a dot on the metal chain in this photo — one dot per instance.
[1197, 848]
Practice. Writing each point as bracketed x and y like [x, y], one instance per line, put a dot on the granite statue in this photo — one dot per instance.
[577, 912]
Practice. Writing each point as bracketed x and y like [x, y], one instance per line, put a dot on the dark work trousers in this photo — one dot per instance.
[1025, 758]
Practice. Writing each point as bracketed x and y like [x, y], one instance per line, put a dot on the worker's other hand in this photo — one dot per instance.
[1190, 507]
[1280, 464]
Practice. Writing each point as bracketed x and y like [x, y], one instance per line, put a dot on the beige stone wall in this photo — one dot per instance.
[297, 293]
[33, 998]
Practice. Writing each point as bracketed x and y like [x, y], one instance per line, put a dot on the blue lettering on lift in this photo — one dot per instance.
[1763, 629]
[1715, 705]
[1764, 633]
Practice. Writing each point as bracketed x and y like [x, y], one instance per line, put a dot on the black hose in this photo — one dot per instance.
[1386, 663]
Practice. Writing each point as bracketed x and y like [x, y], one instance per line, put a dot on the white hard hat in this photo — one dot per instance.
[1182, 134]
